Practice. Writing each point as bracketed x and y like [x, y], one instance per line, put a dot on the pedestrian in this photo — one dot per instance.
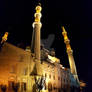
[3, 88]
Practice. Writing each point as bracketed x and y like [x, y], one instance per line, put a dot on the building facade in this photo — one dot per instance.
[18, 66]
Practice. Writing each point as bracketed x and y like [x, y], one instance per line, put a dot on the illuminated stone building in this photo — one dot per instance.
[35, 69]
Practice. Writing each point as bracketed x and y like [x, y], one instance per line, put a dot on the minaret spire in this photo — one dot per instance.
[35, 47]
[70, 54]
[4, 38]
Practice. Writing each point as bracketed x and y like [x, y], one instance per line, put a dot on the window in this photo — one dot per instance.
[45, 74]
[49, 86]
[64, 80]
[54, 86]
[12, 70]
[21, 58]
[58, 77]
[25, 71]
[54, 77]
[50, 76]
[67, 81]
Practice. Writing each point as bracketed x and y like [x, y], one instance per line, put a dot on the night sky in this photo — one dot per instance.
[16, 17]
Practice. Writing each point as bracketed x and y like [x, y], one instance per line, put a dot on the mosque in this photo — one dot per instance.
[36, 69]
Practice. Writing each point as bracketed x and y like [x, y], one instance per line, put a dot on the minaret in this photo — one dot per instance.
[35, 47]
[70, 55]
[4, 38]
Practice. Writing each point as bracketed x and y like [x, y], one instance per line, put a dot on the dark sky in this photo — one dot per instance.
[16, 17]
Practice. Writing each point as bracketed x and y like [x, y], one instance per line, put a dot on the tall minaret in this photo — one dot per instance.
[35, 47]
[70, 55]
[4, 38]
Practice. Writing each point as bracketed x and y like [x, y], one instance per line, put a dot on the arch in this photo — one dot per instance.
[12, 78]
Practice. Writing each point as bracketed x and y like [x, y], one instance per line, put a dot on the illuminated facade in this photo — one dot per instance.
[34, 69]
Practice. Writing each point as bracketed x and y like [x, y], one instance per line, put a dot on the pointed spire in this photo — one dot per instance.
[4, 38]
[66, 40]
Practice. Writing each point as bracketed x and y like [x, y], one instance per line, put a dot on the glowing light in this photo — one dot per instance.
[4, 38]
[53, 59]
[38, 14]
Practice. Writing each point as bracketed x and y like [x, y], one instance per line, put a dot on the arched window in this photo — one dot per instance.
[13, 69]
[50, 76]
[45, 74]
[25, 71]
[54, 86]
[54, 77]
[49, 86]
[58, 77]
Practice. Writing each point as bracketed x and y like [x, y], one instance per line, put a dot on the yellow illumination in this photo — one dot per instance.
[53, 59]
[38, 9]
[64, 33]
[63, 29]
[38, 13]
[68, 47]
[82, 84]
[4, 38]
[65, 37]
